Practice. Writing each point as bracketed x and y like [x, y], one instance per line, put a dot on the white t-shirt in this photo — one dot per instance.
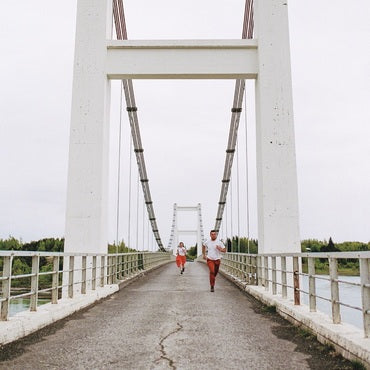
[212, 252]
[181, 251]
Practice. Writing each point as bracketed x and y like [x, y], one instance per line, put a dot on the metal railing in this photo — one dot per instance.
[70, 271]
[284, 271]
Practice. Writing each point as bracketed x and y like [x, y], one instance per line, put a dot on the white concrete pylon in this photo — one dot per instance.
[97, 61]
[278, 221]
[87, 191]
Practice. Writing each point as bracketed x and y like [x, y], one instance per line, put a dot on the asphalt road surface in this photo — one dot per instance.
[165, 320]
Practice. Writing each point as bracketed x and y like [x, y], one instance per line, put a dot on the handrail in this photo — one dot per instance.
[262, 269]
[70, 272]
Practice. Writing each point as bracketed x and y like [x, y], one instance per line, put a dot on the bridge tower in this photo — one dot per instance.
[98, 59]
[176, 232]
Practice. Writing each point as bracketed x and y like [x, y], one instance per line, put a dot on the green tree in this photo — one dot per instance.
[192, 252]
[330, 247]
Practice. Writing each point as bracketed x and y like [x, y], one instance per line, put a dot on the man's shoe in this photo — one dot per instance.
[212, 289]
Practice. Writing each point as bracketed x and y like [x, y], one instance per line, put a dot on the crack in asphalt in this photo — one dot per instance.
[162, 350]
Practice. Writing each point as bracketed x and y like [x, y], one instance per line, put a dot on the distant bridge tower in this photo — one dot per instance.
[175, 232]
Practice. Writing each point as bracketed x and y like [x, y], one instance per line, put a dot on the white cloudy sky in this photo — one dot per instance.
[185, 124]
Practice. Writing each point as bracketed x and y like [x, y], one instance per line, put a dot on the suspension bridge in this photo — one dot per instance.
[164, 320]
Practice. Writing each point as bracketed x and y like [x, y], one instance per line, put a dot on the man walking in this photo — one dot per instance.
[214, 247]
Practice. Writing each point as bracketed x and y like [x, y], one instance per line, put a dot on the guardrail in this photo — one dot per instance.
[92, 269]
[271, 272]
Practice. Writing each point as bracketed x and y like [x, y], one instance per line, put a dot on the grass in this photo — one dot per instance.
[357, 365]
[304, 333]
[324, 270]
[269, 309]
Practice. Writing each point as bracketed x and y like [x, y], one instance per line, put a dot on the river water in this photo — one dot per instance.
[347, 294]
[23, 304]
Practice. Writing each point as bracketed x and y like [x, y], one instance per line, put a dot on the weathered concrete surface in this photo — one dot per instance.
[166, 320]
[26, 322]
[347, 339]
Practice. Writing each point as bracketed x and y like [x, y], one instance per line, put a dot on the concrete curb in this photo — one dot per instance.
[347, 339]
[26, 322]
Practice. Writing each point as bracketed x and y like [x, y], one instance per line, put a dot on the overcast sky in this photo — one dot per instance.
[184, 124]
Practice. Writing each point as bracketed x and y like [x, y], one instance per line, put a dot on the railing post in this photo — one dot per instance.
[245, 274]
[242, 267]
[312, 283]
[226, 264]
[365, 293]
[109, 270]
[248, 269]
[259, 270]
[120, 259]
[70, 276]
[124, 263]
[254, 270]
[266, 272]
[93, 273]
[55, 280]
[140, 261]
[273, 265]
[284, 290]
[334, 288]
[83, 275]
[297, 293]
[102, 267]
[34, 283]
[115, 269]
[7, 274]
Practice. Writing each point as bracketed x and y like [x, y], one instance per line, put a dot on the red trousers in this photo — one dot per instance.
[180, 260]
[213, 266]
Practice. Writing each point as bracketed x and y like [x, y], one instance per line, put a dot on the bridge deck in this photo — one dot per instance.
[166, 320]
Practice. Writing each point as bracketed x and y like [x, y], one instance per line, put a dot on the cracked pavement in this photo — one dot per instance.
[165, 320]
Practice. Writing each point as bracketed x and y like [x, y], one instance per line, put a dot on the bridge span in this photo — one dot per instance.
[170, 321]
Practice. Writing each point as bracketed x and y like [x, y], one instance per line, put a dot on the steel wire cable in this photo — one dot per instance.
[236, 109]
[121, 33]
[129, 196]
[231, 214]
[246, 169]
[237, 191]
[137, 211]
[119, 168]
[143, 223]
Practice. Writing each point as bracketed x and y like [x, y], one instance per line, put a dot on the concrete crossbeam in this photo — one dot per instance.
[182, 59]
